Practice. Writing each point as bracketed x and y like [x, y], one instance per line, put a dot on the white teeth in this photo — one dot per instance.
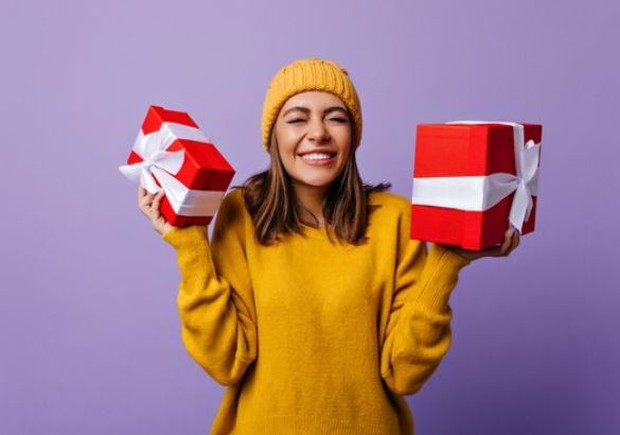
[316, 156]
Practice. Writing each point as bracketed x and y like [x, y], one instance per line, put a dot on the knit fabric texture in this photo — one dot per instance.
[309, 335]
[312, 74]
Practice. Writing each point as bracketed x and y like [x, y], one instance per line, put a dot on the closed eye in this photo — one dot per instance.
[295, 121]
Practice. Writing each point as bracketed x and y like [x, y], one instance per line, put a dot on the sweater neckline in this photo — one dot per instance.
[314, 232]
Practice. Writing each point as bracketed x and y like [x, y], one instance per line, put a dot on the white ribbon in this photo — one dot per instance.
[161, 165]
[479, 193]
[187, 202]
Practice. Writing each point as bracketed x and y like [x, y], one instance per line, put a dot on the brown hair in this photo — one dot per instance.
[271, 201]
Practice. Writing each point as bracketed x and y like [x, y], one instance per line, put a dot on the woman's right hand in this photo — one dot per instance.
[148, 203]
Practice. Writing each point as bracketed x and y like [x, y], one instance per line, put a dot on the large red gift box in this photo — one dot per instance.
[472, 180]
[172, 153]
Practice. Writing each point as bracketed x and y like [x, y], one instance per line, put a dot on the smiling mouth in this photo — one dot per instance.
[318, 156]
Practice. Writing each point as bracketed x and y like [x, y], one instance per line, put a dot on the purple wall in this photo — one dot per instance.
[89, 334]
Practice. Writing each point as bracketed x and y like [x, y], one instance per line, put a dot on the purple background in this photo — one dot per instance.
[89, 333]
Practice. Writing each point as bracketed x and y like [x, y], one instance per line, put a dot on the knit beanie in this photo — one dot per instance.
[312, 74]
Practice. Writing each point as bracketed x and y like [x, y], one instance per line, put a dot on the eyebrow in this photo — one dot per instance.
[325, 112]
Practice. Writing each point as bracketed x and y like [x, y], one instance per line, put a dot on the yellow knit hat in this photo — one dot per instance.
[311, 74]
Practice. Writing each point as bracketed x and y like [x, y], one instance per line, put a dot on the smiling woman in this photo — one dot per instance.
[311, 303]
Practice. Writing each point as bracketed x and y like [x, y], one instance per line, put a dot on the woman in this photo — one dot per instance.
[310, 302]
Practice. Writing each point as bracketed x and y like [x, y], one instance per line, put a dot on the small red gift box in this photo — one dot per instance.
[472, 179]
[171, 153]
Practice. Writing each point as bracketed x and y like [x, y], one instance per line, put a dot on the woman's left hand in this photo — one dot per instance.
[511, 241]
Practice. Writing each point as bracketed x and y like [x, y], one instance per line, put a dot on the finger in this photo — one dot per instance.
[145, 205]
[505, 247]
[146, 199]
[143, 195]
[156, 201]
[516, 239]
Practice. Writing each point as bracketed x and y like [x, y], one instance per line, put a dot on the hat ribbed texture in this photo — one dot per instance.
[312, 74]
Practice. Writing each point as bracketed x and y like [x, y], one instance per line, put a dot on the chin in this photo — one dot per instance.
[318, 183]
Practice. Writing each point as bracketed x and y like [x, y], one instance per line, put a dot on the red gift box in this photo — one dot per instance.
[472, 179]
[171, 153]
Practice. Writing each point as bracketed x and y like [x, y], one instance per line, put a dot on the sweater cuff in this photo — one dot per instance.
[181, 237]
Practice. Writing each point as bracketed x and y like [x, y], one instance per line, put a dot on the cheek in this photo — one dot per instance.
[344, 139]
[285, 140]
[285, 151]
[285, 154]
[345, 146]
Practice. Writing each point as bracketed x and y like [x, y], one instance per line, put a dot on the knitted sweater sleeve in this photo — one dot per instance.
[418, 335]
[215, 300]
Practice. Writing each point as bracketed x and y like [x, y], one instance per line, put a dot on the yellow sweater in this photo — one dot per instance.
[314, 337]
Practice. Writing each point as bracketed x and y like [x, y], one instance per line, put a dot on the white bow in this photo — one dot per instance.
[152, 149]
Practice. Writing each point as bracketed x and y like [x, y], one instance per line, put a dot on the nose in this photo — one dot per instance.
[318, 131]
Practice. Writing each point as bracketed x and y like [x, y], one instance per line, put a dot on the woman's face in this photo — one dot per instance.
[313, 135]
